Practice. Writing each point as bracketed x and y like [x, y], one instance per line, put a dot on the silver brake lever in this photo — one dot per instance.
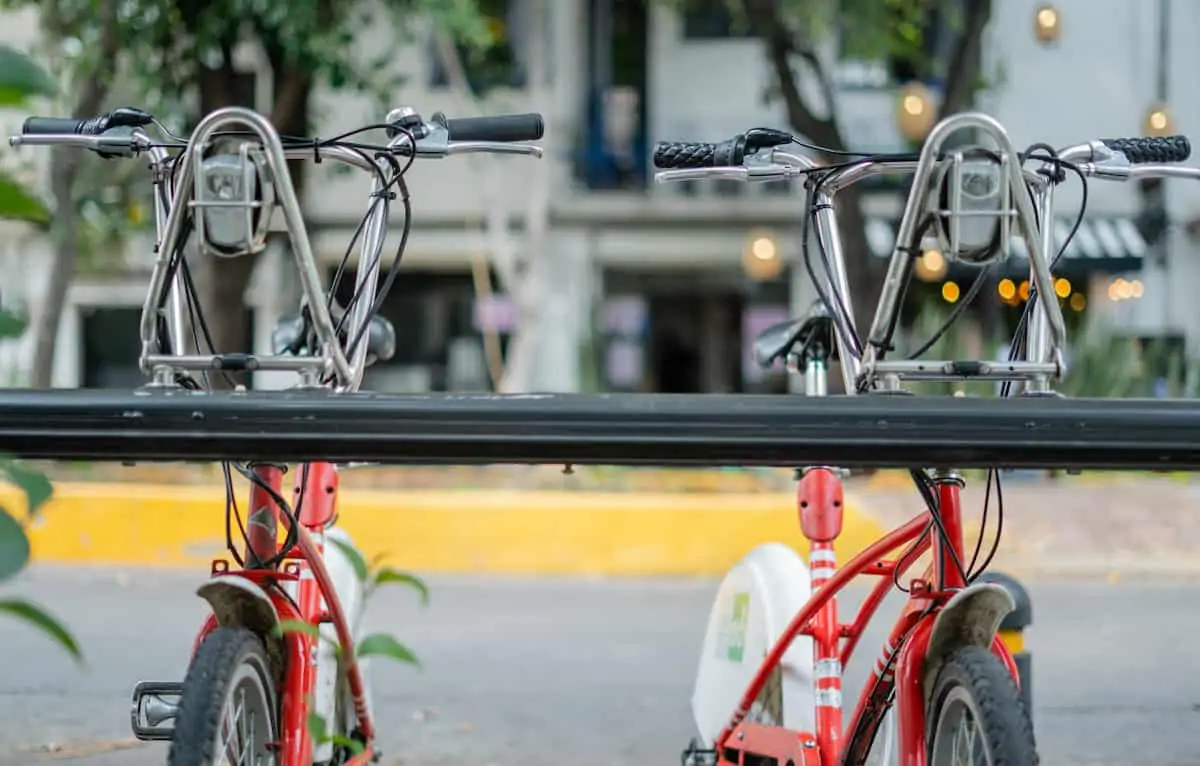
[735, 173]
[493, 147]
[114, 144]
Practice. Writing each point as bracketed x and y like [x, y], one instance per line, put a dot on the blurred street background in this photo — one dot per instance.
[567, 609]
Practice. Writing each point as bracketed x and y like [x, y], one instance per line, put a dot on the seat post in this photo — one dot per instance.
[816, 369]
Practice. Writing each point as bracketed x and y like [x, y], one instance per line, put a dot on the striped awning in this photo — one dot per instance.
[1107, 244]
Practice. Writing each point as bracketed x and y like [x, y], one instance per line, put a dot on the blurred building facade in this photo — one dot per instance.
[651, 291]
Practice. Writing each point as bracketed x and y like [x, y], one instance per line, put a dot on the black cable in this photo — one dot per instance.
[891, 661]
[999, 528]
[956, 312]
[1019, 344]
[927, 488]
[285, 510]
[837, 307]
[394, 269]
[384, 195]
[907, 554]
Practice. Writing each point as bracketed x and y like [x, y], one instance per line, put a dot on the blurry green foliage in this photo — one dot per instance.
[20, 80]
[868, 29]
[167, 43]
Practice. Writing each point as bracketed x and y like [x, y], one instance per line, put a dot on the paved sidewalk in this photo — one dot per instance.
[1076, 525]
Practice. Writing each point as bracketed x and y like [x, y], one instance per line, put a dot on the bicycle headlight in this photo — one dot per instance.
[974, 207]
[235, 197]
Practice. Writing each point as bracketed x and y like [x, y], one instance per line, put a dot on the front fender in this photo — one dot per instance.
[238, 602]
[970, 618]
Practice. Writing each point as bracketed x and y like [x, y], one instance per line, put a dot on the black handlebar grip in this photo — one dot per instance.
[52, 126]
[678, 155]
[121, 117]
[501, 127]
[1151, 149]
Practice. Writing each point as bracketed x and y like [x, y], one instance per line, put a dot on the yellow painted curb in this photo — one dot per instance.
[516, 532]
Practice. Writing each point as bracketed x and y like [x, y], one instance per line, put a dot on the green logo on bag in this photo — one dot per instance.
[735, 631]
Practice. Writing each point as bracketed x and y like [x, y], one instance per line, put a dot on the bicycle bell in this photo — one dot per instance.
[236, 196]
[974, 206]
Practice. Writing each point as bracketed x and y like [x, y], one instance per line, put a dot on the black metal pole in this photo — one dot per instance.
[614, 429]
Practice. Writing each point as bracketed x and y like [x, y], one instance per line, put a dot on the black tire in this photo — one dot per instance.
[230, 666]
[974, 688]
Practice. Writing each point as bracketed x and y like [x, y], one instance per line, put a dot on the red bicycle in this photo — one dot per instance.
[769, 685]
[253, 687]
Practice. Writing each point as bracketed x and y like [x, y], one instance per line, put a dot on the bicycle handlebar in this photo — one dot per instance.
[1117, 159]
[500, 134]
[503, 128]
[1147, 149]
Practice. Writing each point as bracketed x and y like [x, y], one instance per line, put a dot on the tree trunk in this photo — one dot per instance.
[520, 370]
[865, 272]
[224, 280]
[64, 168]
[515, 278]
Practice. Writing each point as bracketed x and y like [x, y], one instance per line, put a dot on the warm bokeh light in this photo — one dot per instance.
[1046, 24]
[1120, 289]
[1023, 290]
[931, 266]
[916, 113]
[1007, 289]
[1078, 302]
[763, 249]
[1158, 121]
[760, 258]
[950, 292]
[1062, 287]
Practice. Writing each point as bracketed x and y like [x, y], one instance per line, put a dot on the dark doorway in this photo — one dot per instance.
[111, 348]
[615, 150]
[695, 343]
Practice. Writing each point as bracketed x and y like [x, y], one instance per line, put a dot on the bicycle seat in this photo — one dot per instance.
[291, 333]
[778, 340]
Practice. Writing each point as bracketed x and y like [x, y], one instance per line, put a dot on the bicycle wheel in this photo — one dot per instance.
[976, 714]
[227, 712]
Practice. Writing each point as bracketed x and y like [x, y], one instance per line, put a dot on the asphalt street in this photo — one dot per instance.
[583, 672]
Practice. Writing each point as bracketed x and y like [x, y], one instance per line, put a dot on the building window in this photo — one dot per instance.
[713, 19]
[500, 65]
[439, 346]
[111, 347]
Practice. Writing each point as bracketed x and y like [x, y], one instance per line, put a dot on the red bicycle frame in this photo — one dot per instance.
[901, 662]
[315, 601]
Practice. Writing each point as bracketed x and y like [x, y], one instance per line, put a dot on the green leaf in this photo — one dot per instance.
[17, 204]
[11, 325]
[356, 559]
[316, 726]
[14, 546]
[34, 484]
[35, 616]
[385, 576]
[21, 78]
[297, 626]
[353, 745]
[383, 645]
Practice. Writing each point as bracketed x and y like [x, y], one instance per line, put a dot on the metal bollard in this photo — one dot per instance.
[1012, 631]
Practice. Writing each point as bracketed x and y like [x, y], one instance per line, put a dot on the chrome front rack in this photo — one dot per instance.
[947, 187]
[242, 190]
[975, 196]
